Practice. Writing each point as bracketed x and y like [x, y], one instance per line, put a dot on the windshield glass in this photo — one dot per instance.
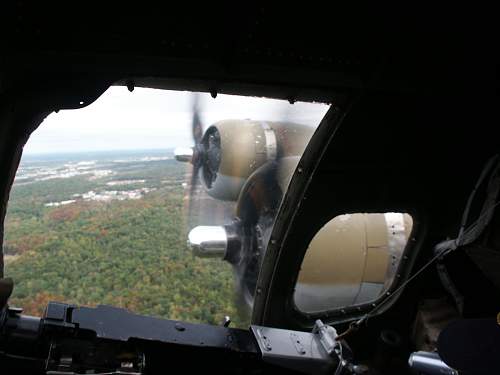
[157, 201]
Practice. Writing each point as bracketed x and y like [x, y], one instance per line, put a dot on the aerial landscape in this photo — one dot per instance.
[110, 228]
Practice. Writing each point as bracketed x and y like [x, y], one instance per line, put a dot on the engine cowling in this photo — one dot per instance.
[234, 149]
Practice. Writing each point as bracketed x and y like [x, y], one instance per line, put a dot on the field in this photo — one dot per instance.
[110, 228]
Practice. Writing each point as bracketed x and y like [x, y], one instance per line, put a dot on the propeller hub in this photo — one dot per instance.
[208, 241]
[184, 154]
[211, 145]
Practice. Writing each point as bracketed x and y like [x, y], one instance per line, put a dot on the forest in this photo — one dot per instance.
[110, 228]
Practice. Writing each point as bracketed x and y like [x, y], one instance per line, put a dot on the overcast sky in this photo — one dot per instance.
[154, 119]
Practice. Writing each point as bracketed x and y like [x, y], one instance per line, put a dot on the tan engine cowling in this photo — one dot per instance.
[352, 260]
[234, 149]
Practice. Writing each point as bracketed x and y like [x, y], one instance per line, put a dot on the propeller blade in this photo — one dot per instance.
[196, 157]
[196, 125]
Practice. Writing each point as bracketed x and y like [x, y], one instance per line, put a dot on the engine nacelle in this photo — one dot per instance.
[234, 149]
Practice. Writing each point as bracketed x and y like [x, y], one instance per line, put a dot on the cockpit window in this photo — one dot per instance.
[352, 260]
[106, 198]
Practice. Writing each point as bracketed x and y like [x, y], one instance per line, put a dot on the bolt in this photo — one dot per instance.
[179, 327]
[130, 85]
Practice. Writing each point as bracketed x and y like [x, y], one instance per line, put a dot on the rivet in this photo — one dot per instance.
[130, 85]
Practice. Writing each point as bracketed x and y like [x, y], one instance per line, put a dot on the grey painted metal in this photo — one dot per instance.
[271, 142]
[327, 336]
[396, 243]
[295, 350]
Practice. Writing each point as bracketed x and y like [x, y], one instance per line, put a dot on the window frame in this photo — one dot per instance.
[274, 299]
[394, 276]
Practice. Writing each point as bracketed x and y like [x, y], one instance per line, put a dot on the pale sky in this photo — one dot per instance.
[154, 119]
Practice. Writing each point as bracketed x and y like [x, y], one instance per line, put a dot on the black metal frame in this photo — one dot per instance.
[279, 273]
[70, 338]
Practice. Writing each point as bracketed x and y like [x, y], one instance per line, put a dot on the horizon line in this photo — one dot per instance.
[55, 152]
